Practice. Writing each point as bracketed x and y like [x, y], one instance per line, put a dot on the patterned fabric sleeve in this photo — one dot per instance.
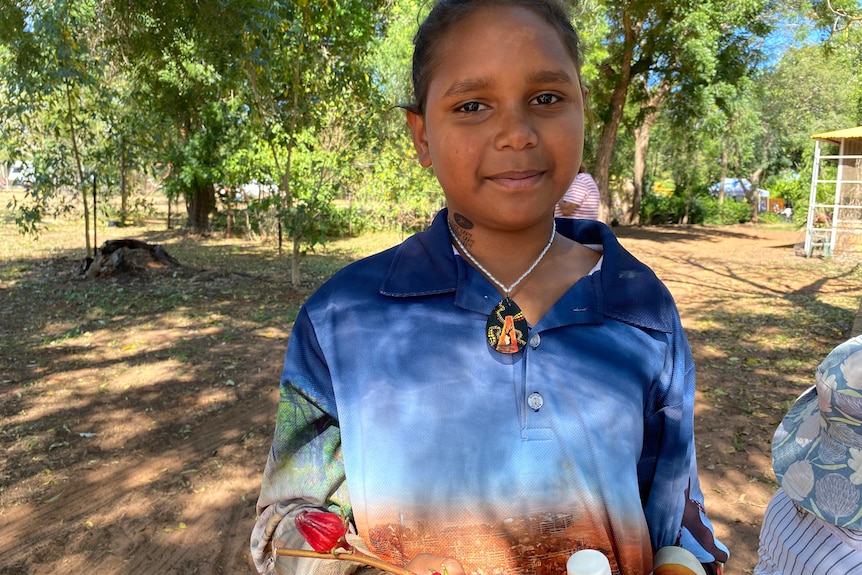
[304, 468]
[697, 533]
[669, 481]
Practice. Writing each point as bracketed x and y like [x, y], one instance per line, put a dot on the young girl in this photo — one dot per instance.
[502, 389]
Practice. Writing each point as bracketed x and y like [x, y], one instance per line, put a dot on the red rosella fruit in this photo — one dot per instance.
[324, 531]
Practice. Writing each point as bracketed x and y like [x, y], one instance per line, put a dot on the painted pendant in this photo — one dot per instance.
[507, 328]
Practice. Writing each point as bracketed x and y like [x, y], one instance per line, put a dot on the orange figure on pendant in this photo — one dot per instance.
[508, 342]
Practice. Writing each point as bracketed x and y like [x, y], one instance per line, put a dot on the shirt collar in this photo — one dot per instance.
[424, 264]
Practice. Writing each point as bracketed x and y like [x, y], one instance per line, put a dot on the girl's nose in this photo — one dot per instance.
[516, 129]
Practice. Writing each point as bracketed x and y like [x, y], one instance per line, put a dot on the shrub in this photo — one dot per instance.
[661, 209]
[728, 212]
[768, 217]
[656, 210]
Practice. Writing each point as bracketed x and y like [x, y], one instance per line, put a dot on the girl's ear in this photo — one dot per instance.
[420, 138]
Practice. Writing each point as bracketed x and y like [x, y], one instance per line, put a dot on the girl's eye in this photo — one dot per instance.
[470, 107]
[547, 99]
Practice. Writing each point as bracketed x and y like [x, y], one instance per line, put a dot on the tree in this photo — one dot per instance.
[396, 190]
[671, 46]
[649, 115]
[54, 112]
[839, 15]
[182, 56]
[300, 60]
[810, 90]
[841, 21]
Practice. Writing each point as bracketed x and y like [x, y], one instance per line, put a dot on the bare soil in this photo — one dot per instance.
[136, 413]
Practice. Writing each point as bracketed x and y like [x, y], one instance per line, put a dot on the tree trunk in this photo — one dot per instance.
[229, 213]
[750, 197]
[95, 211]
[199, 205]
[294, 262]
[124, 193]
[287, 193]
[76, 153]
[642, 136]
[754, 178]
[605, 149]
[723, 175]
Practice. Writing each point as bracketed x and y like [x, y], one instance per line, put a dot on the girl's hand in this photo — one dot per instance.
[426, 564]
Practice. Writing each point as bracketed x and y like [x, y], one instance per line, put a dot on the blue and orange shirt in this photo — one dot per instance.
[395, 409]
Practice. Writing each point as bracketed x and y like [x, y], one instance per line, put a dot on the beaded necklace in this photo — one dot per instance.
[507, 327]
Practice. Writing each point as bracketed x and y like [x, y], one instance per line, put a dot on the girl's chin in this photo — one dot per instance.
[522, 219]
[507, 212]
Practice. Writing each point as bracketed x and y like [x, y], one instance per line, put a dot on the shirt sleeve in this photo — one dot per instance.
[578, 191]
[573, 194]
[668, 467]
[304, 468]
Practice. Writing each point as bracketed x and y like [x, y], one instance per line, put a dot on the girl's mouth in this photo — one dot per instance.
[517, 179]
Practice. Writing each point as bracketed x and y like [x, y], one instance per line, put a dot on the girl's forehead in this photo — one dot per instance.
[502, 21]
[505, 39]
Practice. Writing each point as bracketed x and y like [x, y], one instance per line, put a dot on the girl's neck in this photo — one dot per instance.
[504, 255]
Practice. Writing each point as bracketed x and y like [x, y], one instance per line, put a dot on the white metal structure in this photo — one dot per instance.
[834, 223]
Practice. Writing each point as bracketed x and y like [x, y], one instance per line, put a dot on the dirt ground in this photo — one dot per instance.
[136, 415]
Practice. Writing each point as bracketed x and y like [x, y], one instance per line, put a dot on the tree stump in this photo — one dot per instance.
[127, 256]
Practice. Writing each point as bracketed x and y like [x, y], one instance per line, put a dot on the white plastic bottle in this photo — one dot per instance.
[588, 562]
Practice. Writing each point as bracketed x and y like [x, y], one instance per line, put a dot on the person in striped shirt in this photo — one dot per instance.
[813, 524]
[581, 200]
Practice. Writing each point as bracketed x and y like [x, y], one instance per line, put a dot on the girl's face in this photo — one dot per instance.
[503, 121]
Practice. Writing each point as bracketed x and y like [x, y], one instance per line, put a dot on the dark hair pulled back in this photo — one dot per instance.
[447, 12]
